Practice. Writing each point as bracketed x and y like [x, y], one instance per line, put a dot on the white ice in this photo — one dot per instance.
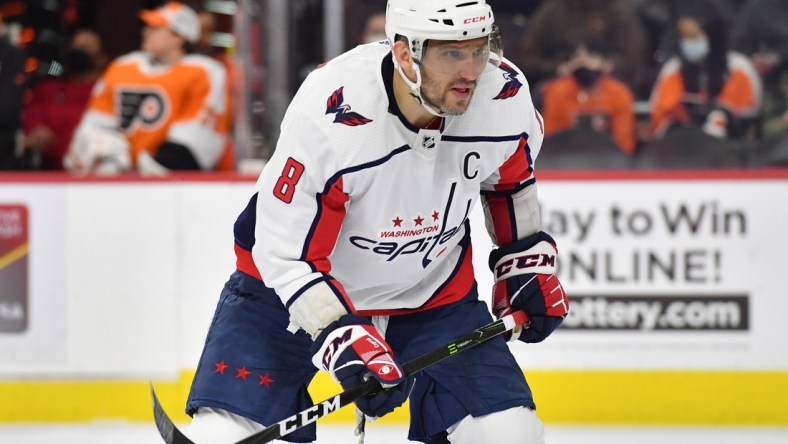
[125, 433]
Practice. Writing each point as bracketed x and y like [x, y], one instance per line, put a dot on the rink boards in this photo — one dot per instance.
[676, 280]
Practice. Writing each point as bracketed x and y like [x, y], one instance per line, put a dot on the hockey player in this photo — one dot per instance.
[156, 109]
[354, 254]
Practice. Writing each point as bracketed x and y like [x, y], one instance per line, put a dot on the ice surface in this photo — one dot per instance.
[126, 433]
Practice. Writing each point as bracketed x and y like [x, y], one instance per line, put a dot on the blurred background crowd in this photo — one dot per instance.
[620, 83]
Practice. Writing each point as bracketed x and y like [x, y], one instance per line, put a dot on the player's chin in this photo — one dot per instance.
[457, 103]
[457, 107]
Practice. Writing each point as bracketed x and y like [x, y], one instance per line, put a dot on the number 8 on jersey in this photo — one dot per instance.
[285, 186]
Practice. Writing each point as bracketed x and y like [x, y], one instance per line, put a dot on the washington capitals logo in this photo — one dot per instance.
[343, 113]
[512, 86]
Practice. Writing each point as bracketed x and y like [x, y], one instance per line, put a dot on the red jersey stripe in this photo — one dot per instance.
[345, 298]
[332, 213]
[516, 169]
[245, 263]
[501, 214]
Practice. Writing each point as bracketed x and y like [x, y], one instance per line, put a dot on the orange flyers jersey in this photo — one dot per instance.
[184, 103]
[741, 93]
[565, 103]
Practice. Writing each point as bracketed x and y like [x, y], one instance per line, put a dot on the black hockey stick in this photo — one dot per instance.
[172, 435]
[166, 427]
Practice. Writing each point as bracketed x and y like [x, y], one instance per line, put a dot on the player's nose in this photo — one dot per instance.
[469, 74]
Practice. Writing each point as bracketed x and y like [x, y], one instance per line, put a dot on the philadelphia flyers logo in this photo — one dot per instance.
[144, 108]
[342, 112]
[512, 86]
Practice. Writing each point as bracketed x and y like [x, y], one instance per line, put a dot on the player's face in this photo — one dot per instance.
[159, 41]
[450, 71]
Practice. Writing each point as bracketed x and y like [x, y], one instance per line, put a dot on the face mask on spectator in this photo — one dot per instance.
[77, 61]
[586, 77]
[695, 49]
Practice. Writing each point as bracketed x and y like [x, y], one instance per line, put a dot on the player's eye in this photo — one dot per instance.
[453, 54]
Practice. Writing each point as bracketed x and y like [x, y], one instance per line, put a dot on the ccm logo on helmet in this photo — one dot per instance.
[475, 19]
[527, 261]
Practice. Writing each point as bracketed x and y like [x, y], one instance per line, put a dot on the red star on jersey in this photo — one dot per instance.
[418, 220]
[397, 222]
[220, 367]
[266, 380]
[435, 215]
[243, 373]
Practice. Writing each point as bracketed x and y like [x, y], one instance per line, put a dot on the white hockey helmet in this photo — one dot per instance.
[422, 20]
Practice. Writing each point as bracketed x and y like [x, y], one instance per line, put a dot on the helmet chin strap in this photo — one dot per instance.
[415, 88]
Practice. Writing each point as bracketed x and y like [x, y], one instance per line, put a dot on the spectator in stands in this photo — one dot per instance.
[657, 18]
[158, 109]
[589, 96]
[761, 33]
[705, 85]
[55, 104]
[558, 24]
[375, 28]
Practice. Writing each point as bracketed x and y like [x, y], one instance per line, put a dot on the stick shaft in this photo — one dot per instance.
[415, 365]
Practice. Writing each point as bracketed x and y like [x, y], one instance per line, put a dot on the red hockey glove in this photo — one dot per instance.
[351, 349]
[525, 280]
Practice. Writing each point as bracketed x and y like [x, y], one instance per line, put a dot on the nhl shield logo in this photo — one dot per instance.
[428, 142]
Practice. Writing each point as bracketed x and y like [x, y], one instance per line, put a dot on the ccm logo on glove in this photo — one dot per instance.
[334, 346]
[525, 280]
[523, 262]
[351, 349]
[366, 344]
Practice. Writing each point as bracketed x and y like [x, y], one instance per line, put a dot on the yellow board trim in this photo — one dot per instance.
[13, 256]
[562, 397]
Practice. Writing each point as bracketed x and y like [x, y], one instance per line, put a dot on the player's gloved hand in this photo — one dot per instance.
[99, 150]
[525, 280]
[352, 350]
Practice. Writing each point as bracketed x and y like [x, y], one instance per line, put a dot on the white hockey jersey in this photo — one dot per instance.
[358, 200]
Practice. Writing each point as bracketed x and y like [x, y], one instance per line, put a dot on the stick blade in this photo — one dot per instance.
[166, 427]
